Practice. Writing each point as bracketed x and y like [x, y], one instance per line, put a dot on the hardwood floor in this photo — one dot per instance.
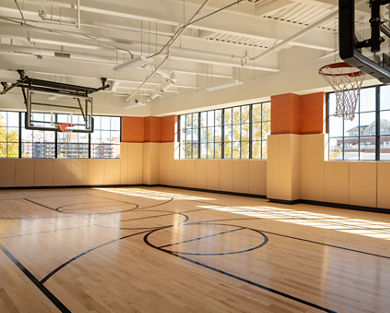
[171, 250]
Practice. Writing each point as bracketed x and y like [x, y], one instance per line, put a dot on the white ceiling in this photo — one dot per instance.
[242, 42]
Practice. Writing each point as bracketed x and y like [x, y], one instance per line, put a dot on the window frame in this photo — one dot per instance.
[377, 136]
[223, 127]
[56, 142]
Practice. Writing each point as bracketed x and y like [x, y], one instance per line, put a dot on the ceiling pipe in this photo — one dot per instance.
[177, 34]
[133, 63]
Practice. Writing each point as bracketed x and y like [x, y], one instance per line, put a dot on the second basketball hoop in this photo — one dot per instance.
[346, 81]
[67, 129]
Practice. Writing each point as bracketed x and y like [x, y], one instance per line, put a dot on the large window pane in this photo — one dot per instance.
[236, 150]
[203, 151]
[237, 115]
[385, 148]
[9, 135]
[245, 150]
[256, 131]
[218, 150]
[367, 100]
[385, 97]
[367, 124]
[367, 148]
[228, 150]
[385, 123]
[266, 130]
[105, 140]
[335, 126]
[245, 114]
[245, 132]
[38, 144]
[264, 149]
[351, 148]
[256, 149]
[266, 112]
[256, 112]
[351, 128]
[336, 148]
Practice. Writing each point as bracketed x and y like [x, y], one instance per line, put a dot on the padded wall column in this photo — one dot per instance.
[149, 132]
[291, 117]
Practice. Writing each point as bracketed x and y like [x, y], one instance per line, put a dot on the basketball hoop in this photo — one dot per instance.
[67, 129]
[346, 81]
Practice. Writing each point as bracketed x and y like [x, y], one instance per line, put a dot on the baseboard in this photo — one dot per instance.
[280, 201]
[216, 191]
[346, 206]
[69, 186]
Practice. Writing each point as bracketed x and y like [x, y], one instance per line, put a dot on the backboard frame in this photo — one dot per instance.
[350, 47]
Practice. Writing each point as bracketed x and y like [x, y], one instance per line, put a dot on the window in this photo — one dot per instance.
[105, 140]
[72, 145]
[38, 144]
[233, 133]
[16, 141]
[9, 134]
[367, 136]
[189, 136]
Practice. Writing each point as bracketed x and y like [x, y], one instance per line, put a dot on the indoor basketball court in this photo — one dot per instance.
[194, 156]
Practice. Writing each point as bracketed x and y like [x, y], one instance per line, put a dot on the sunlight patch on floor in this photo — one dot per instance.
[326, 221]
[157, 195]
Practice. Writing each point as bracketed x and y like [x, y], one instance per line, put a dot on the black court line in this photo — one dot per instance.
[153, 216]
[280, 293]
[261, 244]
[99, 246]
[85, 252]
[203, 237]
[186, 218]
[46, 231]
[40, 204]
[36, 282]
[301, 239]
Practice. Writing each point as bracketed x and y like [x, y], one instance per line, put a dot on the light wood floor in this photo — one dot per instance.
[170, 250]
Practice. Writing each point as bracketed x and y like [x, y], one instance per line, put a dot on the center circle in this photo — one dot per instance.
[141, 219]
[206, 239]
[102, 207]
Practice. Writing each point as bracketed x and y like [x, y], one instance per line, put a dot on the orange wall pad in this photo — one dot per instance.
[152, 129]
[295, 114]
[168, 128]
[149, 129]
[133, 129]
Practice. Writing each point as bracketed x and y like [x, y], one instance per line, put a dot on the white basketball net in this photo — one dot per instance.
[346, 81]
[68, 135]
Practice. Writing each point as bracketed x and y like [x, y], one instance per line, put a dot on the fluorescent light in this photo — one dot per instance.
[225, 85]
[133, 63]
[61, 43]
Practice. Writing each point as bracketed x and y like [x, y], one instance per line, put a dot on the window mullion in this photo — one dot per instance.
[223, 134]
[20, 135]
[377, 124]
[250, 130]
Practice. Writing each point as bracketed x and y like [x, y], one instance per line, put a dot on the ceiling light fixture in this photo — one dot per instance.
[225, 85]
[133, 63]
